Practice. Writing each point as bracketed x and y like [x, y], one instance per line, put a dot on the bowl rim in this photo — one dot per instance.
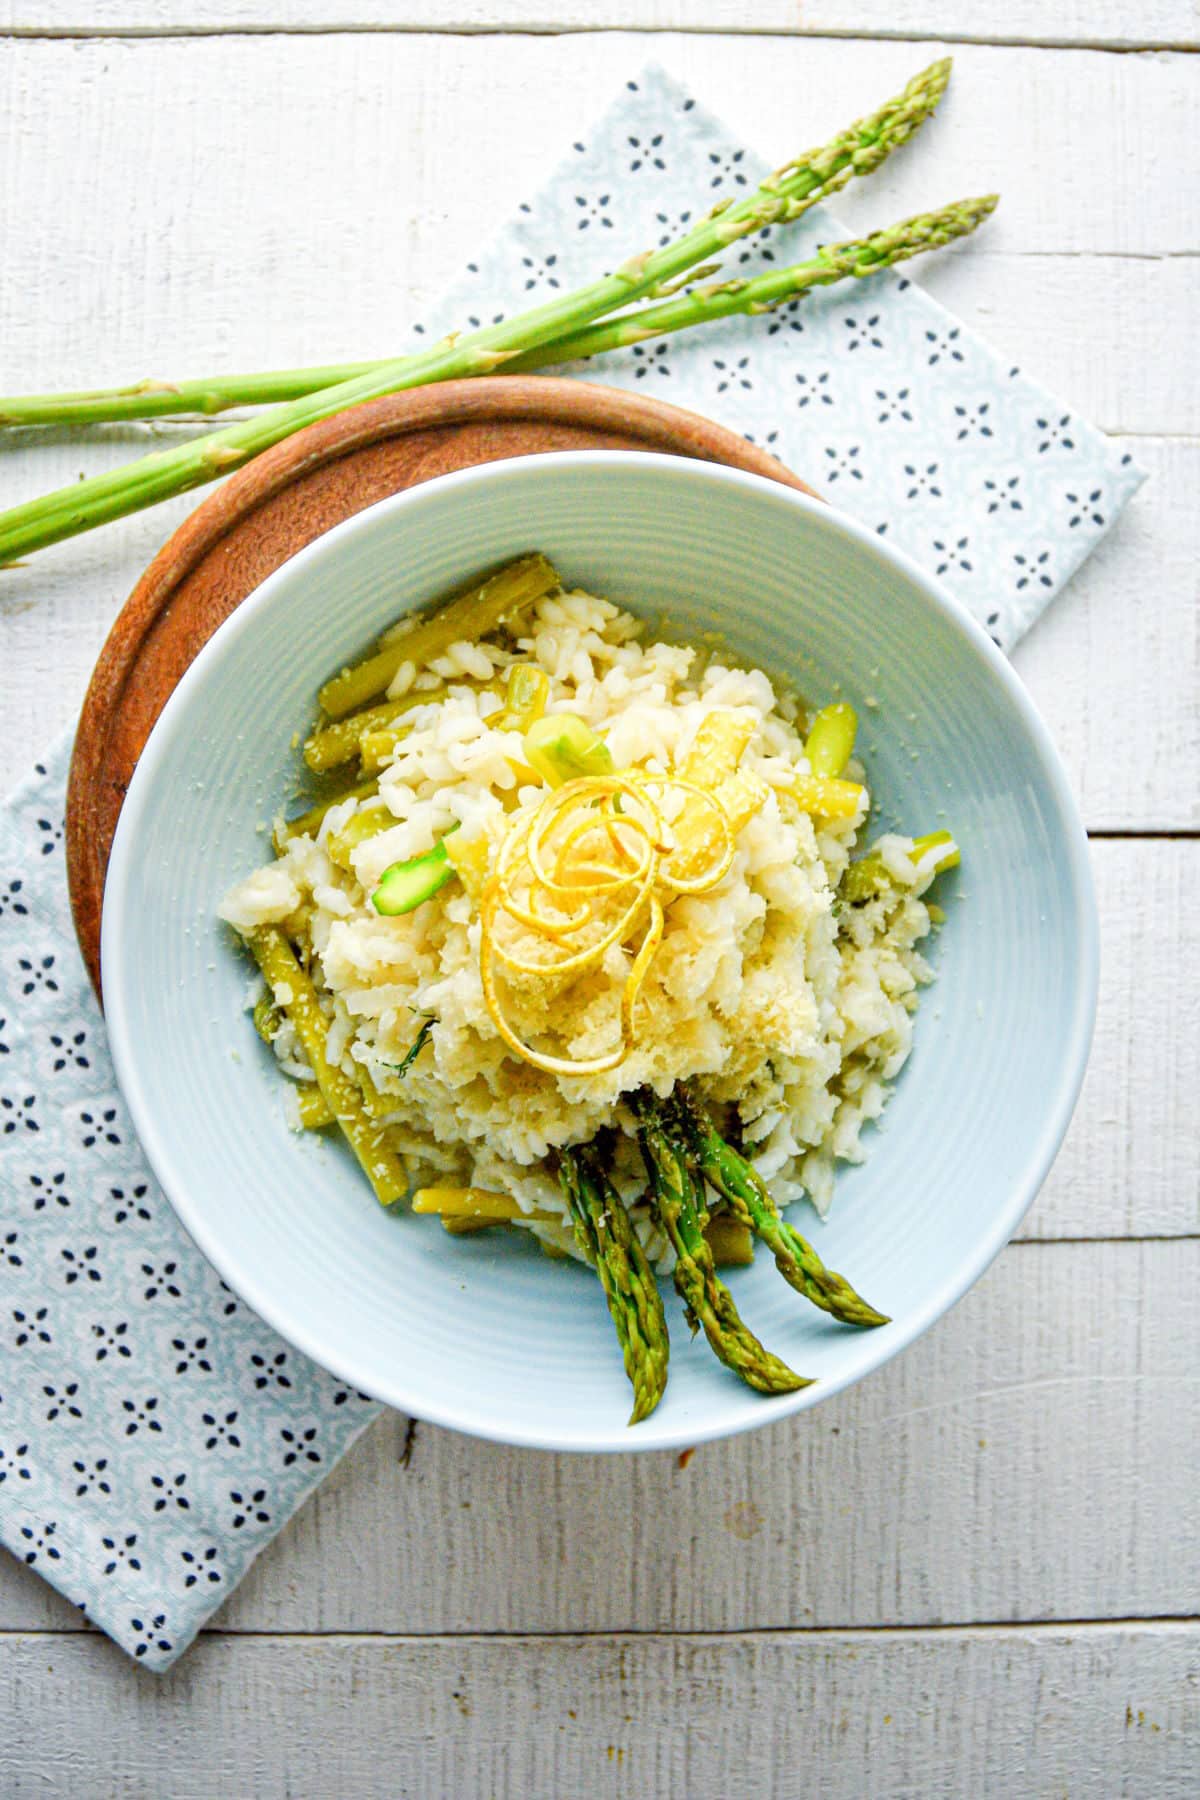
[468, 1418]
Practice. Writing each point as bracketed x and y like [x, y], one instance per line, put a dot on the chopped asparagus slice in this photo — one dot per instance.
[827, 797]
[309, 823]
[830, 741]
[525, 695]
[406, 885]
[932, 854]
[562, 747]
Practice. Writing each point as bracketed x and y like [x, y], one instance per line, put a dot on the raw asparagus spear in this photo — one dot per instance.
[605, 1235]
[750, 1199]
[852, 260]
[779, 199]
[679, 1205]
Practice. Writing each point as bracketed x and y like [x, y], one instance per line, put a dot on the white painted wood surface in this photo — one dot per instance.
[1167, 23]
[953, 1579]
[1094, 1711]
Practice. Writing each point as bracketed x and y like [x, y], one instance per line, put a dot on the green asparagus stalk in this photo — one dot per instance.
[679, 1206]
[780, 198]
[751, 1201]
[852, 260]
[157, 399]
[605, 1235]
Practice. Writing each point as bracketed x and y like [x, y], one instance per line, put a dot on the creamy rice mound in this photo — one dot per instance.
[791, 1013]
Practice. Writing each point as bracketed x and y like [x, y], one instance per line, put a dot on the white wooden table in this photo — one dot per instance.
[977, 1573]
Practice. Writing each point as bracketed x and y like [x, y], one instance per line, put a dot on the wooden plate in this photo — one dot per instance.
[281, 501]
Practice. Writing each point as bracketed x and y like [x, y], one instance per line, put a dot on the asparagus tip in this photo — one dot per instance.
[934, 79]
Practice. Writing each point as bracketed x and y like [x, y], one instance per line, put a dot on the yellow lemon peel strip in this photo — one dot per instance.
[555, 877]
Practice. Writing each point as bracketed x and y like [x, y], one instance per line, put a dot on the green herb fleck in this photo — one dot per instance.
[415, 1048]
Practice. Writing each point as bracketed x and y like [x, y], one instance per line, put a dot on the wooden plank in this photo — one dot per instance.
[1130, 1165]
[1030, 1468]
[1095, 22]
[1031, 1459]
[380, 140]
[1114, 663]
[1095, 1710]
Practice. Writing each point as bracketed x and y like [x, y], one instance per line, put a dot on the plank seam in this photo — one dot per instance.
[153, 33]
[1121, 834]
[1150, 1237]
[1175, 1623]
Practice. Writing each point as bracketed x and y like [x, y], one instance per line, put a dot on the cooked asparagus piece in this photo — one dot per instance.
[307, 824]
[266, 1018]
[295, 995]
[379, 1106]
[561, 748]
[716, 750]
[406, 885]
[526, 691]
[331, 745]
[605, 1235]
[827, 797]
[481, 1204]
[377, 748]
[830, 741]
[470, 616]
[870, 876]
[312, 1107]
[678, 1201]
[367, 822]
[748, 1196]
[731, 1242]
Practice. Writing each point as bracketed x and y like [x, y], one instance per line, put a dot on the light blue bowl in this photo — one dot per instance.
[484, 1334]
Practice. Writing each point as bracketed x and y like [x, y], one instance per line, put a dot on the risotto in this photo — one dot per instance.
[585, 870]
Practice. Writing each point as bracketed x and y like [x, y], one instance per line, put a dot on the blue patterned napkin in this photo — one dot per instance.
[154, 1434]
